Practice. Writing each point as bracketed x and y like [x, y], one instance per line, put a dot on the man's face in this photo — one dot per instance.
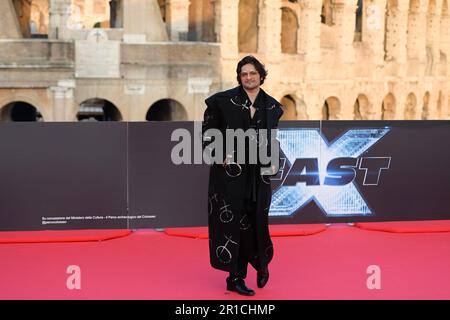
[250, 77]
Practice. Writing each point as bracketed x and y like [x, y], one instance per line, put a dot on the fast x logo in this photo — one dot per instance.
[324, 172]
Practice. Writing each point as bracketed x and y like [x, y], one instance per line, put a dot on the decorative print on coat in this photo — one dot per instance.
[210, 202]
[223, 253]
[245, 105]
[245, 224]
[226, 215]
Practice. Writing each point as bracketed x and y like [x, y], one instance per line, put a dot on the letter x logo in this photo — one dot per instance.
[333, 200]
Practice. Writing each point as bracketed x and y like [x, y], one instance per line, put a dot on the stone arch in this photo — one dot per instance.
[39, 18]
[358, 21]
[42, 105]
[201, 21]
[289, 108]
[326, 16]
[426, 106]
[166, 110]
[361, 108]
[388, 107]
[20, 111]
[98, 109]
[248, 26]
[439, 104]
[410, 107]
[331, 109]
[289, 29]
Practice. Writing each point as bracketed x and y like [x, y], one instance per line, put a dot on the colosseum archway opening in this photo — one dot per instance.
[361, 108]
[248, 26]
[166, 110]
[289, 27]
[426, 106]
[358, 22]
[39, 19]
[388, 107]
[19, 111]
[439, 104]
[98, 110]
[326, 17]
[410, 107]
[331, 109]
[201, 21]
[289, 108]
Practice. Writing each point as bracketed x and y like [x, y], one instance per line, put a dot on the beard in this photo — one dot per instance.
[251, 85]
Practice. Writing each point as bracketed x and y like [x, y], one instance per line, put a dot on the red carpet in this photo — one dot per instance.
[152, 265]
[61, 236]
[279, 230]
[407, 226]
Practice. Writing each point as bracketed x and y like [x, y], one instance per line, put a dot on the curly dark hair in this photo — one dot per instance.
[258, 66]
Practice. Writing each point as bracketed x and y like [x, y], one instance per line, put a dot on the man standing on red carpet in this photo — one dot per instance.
[239, 193]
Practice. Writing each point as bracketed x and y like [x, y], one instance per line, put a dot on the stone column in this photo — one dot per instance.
[314, 103]
[396, 33]
[269, 28]
[269, 39]
[63, 100]
[199, 89]
[375, 98]
[417, 33]
[60, 11]
[309, 32]
[345, 19]
[227, 16]
[177, 19]
[400, 103]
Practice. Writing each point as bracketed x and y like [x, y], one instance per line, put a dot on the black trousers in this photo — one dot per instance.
[248, 252]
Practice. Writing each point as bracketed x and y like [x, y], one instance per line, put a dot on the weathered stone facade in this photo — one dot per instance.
[159, 59]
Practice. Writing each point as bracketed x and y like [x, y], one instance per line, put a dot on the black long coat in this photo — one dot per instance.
[227, 110]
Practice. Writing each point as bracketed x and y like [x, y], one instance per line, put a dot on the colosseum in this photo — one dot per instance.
[137, 60]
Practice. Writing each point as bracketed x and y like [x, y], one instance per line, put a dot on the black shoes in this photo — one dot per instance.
[238, 285]
[262, 277]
